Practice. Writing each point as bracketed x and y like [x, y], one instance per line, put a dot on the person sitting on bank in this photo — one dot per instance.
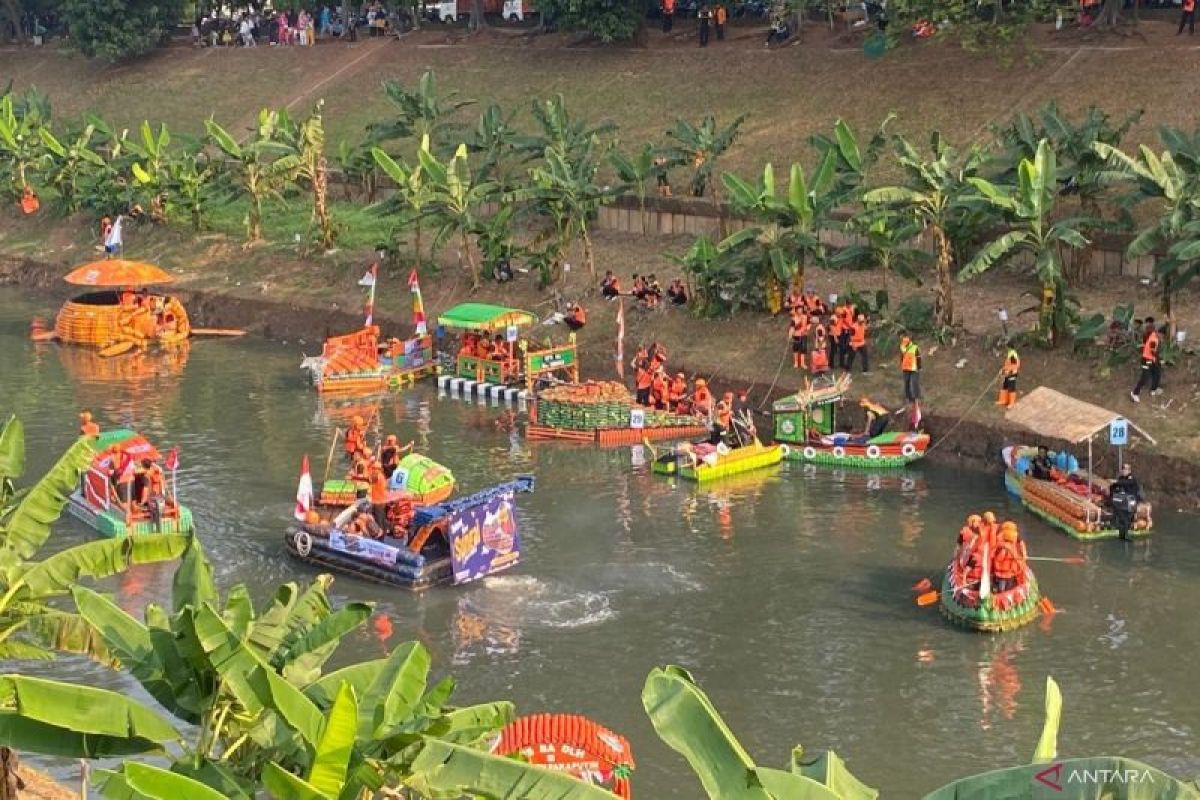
[1124, 494]
[1040, 467]
[876, 419]
[677, 293]
[576, 318]
[610, 286]
[86, 426]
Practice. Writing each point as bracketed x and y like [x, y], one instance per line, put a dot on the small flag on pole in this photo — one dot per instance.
[915, 422]
[172, 462]
[621, 337]
[418, 306]
[369, 281]
[304, 491]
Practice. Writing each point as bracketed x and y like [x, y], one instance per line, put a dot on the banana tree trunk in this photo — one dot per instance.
[943, 299]
[588, 256]
[469, 258]
[1167, 307]
[320, 187]
[642, 206]
[10, 783]
[254, 220]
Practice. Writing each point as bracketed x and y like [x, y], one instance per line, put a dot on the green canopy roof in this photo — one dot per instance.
[484, 317]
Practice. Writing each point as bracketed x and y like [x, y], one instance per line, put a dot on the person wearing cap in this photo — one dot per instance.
[1007, 564]
[378, 494]
[86, 426]
[990, 527]
[702, 399]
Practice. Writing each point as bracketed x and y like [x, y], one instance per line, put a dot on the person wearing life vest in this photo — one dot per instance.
[846, 317]
[677, 391]
[798, 333]
[720, 16]
[1151, 363]
[702, 399]
[990, 528]
[29, 200]
[86, 426]
[858, 344]
[668, 15]
[356, 436]
[644, 381]
[722, 423]
[794, 301]
[813, 304]
[910, 368]
[876, 418]
[659, 389]
[1010, 370]
[577, 318]
[378, 494]
[1188, 17]
[126, 474]
[1006, 563]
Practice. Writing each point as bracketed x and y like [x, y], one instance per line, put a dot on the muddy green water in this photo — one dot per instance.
[787, 594]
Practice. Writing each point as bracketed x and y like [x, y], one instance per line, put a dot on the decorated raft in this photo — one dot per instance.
[705, 462]
[806, 425]
[603, 412]
[363, 363]
[572, 744]
[95, 501]
[1076, 501]
[421, 479]
[116, 318]
[493, 350]
[981, 609]
[452, 542]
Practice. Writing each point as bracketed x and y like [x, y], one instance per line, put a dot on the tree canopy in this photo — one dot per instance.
[117, 29]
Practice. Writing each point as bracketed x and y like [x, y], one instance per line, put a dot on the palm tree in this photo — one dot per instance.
[420, 113]
[1030, 206]
[934, 194]
[256, 164]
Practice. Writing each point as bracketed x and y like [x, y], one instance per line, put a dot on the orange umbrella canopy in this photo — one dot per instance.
[118, 272]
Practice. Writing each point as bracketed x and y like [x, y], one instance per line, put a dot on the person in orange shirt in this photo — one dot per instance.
[676, 391]
[1151, 363]
[818, 359]
[643, 381]
[719, 18]
[858, 344]
[378, 494]
[798, 332]
[577, 318]
[1188, 17]
[659, 389]
[483, 348]
[702, 398]
[356, 436]
[86, 426]
[668, 15]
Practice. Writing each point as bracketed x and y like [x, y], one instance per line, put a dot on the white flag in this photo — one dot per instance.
[113, 241]
[304, 492]
[368, 279]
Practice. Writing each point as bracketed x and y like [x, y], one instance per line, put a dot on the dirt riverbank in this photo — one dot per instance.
[745, 351]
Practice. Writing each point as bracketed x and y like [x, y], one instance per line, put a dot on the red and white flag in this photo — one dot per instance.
[621, 337]
[369, 280]
[915, 420]
[418, 305]
[172, 462]
[304, 492]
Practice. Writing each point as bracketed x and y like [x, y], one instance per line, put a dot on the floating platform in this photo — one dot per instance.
[614, 437]
[468, 389]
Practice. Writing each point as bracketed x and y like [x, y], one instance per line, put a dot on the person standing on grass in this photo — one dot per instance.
[705, 16]
[668, 15]
[719, 17]
[1187, 17]
[858, 344]
[1151, 363]
[910, 368]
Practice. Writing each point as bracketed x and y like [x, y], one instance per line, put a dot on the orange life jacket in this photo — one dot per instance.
[580, 314]
[644, 377]
[354, 439]
[89, 428]
[677, 390]
[658, 387]
[819, 360]
[858, 335]
[379, 488]
[1006, 563]
[1150, 347]
[908, 357]
[1189, 5]
[703, 398]
[1012, 363]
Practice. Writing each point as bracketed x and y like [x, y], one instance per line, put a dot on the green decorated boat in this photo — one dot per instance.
[977, 607]
[806, 426]
[96, 500]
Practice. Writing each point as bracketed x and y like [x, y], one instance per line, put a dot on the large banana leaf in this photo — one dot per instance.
[283, 785]
[58, 573]
[12, 449]
[331, 761]
[290, 703]
[28, 527]
[359, 676]
[193, 582]
[306, 649]
[442, 767]
[1047, 746]
[687, 721]
[160, 784]
[233, 660]
[62, 719]
[394, 694]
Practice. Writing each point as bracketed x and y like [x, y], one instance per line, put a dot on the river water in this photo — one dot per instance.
[787, 594]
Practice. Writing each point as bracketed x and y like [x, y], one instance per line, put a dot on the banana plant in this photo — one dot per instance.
[190, 179]
[688, 722]
[1170, 184]
[455, 201]
[420, 113]
[712, 284]
[1030, 207]
[886, 241]
[111, 189]
[358, 165]
[20, 142]
[851, 161]
[152, 170]
[306, 162]
[413, 199]
[700, 147]
[197, 660]
[256, 165]
[32, 625]
[636, 171]
[69, 164]
[497, 142]
[786, 230]
[936, 194]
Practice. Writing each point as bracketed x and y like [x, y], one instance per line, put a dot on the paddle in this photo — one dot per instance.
[1067, 560]
[116, 349]
[217, 332]
[43, 336]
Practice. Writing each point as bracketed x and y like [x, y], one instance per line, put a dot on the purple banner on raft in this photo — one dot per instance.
[484, 539]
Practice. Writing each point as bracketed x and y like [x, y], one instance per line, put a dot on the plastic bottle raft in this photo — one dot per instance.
[1069, 503]
[95, 501]
[998, 611]
[360, 363]
[99, 320]
[455, 541]
[704, 462]
[603, 412]
[422, 479]
[573, 744]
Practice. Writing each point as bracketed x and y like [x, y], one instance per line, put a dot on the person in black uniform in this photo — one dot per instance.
[1040, 466]
[1124, 494]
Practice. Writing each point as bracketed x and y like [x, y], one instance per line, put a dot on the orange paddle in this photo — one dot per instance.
[1047, 607]
[927, 599]
[922, 585]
